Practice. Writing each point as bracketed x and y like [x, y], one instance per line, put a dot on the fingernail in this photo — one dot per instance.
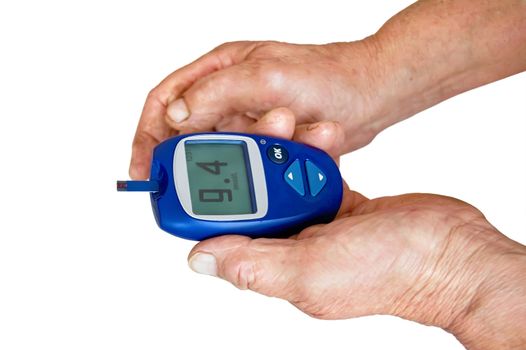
[203, 263]
[177, 110]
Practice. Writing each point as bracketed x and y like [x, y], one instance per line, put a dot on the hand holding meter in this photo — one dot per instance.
[211, 184]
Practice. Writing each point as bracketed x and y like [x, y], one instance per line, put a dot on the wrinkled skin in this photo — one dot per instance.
[424, 257]
[231, 87]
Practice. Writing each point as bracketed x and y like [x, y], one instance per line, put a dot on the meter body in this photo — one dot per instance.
[210, 184]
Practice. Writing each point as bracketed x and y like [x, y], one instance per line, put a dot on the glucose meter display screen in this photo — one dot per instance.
[219, 178]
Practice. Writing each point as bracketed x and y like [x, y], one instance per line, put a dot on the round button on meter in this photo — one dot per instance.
[277, 154]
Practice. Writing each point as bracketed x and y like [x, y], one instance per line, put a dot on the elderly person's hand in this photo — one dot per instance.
[231, 87]
[428, 258]
[427, 53]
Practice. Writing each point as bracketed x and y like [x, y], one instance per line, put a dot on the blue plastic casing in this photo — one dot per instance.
[288, 211]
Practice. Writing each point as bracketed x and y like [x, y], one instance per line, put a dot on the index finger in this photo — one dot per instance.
[152, 127]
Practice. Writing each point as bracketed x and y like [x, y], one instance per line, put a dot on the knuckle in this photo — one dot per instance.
[271, 47]
[141, 139]
[226, 52]
[238, 44]
[242, 274]
[226, 45]
[160, 95]
[153, 94]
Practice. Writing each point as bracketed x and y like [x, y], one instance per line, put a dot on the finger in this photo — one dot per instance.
[326, 135]
[150, 132]
[279, 122]
[152, 127]
[235, 123]
[267, 266]
[238, 89]
[223, 56]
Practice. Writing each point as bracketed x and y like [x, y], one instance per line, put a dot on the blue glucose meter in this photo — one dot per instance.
[211, 184]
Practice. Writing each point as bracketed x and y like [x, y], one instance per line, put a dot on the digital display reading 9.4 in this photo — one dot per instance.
[219, 181]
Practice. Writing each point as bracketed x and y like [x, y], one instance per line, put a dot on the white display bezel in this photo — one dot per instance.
[182, 186]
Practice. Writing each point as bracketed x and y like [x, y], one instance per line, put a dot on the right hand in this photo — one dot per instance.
[232, 86]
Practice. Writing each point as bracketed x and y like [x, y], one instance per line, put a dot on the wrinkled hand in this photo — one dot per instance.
[428, 258]
[232, 86]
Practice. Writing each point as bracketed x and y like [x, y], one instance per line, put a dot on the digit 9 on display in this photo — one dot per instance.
[206, 185]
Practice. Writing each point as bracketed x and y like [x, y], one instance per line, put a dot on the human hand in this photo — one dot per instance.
[232, 86]
[429, 52]
[428, 258]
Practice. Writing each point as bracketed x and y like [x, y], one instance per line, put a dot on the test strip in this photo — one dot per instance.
[137, 186]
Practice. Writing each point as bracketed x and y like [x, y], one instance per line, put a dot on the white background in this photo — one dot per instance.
[83, 267]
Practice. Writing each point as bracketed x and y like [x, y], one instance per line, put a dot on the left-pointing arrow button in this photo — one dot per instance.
[294, 178]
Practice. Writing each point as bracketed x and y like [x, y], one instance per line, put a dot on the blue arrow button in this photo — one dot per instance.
[315, 177]
[294, 177]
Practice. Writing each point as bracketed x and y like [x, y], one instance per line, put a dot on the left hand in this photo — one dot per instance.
[232, 86]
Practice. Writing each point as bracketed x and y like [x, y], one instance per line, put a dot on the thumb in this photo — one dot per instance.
[236, 90]
[267, 266]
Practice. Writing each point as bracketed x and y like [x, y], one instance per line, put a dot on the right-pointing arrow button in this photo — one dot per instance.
[315, 177]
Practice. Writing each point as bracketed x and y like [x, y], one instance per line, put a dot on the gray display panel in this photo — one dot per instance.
[219, 181]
